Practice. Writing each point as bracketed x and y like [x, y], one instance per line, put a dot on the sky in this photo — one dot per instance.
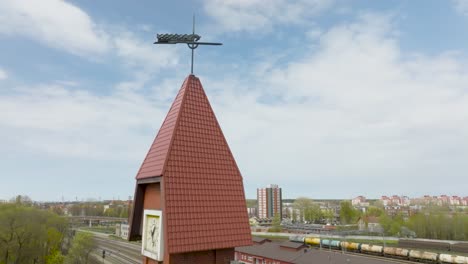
[327, 99]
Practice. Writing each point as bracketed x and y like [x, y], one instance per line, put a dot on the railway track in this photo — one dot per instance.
[117, 252]
[368, 256]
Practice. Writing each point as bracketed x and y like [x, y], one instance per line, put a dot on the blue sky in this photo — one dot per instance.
[328, 99]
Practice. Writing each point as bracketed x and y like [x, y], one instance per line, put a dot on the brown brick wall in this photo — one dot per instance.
[219, 256]
[152, 200]
[152, 197]
[224, 256]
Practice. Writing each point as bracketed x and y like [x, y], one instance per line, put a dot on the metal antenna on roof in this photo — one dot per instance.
[192, 40]
[192, 47]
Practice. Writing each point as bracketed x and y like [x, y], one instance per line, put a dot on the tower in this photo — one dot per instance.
[269, 201]
[189, 204]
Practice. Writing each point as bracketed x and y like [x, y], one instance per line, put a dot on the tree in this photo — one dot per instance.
[251, 203]
[436, 223]
[374, 211]
[27, 233]
[21, 200]
[328, 215]
[302, 204]
[308, 210]
[82, 246]
[313, 213]
[276, 224]
[55, 258]
[348, 214]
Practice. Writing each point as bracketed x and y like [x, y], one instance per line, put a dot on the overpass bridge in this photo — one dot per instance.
[89, 220]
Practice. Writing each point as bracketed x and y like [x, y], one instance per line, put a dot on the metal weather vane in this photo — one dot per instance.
[192, 41]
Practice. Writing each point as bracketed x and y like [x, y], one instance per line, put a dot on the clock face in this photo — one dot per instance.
[152, 234]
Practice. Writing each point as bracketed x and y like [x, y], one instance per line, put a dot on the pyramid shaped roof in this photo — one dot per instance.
[204, 201]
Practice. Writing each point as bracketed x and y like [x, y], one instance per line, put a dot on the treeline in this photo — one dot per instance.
[429, 224]
[98, 209]
[32, 235]
[306, 210]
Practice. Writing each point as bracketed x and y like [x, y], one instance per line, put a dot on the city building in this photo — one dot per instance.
[395, 200]
[121, 230]
[359, 201]
[269, 201]
[252, 211]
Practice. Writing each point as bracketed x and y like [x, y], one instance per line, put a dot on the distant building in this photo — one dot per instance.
[251, 211]
[455, 200]
[385, 200]
[359, 201]
[269, 201]
[465, 201]
[395, 200]
[121, 230]
[369, 224]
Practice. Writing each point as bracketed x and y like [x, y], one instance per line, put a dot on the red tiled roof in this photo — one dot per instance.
[157, 155]
[205, 205]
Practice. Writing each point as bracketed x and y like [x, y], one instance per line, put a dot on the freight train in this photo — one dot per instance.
[393, 252]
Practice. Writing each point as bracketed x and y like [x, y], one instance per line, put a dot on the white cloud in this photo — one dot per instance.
[355, 109]
[3, 75]
[62, 25]
[139, 54]
[55, 23]
[255, 15]
[70, 122]
[461, 6]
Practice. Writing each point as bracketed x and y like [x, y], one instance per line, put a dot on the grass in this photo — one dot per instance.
[274, 237]
[100, 229]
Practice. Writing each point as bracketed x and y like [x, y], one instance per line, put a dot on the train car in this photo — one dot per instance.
[351, 246]
[326, 243]
[449, 259]
[423, 255]
[314, 241]
[371, 249]
[396, 252]
[299, 239]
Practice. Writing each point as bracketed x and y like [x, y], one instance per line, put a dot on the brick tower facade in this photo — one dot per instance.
[191, 177]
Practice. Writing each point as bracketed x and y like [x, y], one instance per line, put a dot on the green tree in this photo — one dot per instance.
[374, 211]
[438, 223]
[55, 258]
[82, 246]
[27, 233]
[276, 224]
[251, 203]
[348, 215]
[313, 213]
[328, 215]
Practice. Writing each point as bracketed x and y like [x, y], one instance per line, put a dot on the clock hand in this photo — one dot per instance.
[153, 229]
